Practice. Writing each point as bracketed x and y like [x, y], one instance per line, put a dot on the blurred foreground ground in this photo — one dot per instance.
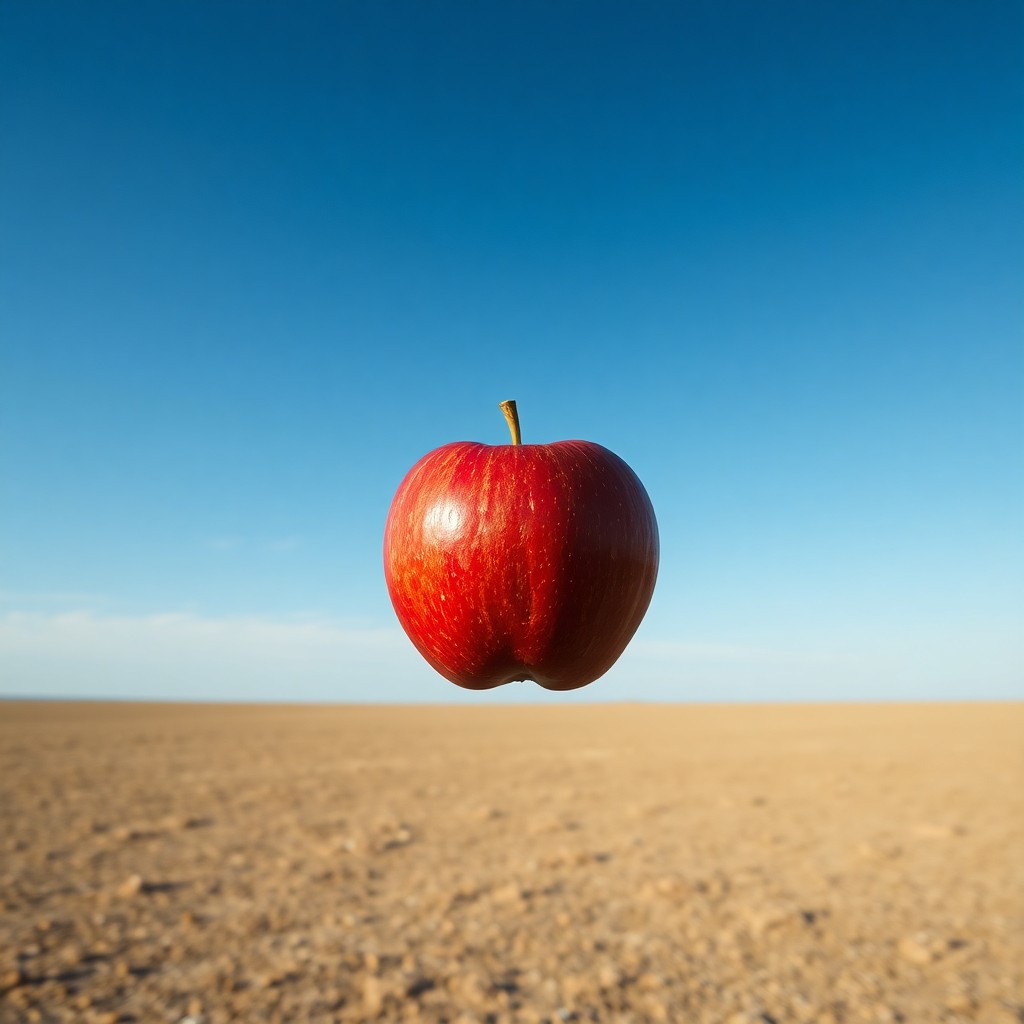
[618, 863]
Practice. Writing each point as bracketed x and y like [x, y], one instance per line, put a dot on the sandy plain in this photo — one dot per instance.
[763, 865]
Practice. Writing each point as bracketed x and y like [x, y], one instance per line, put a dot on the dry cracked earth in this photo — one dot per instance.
[626, 863]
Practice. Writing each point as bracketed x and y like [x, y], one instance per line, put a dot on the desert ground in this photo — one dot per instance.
[199, 864]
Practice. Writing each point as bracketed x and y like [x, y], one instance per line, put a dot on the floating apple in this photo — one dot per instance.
[521, 561]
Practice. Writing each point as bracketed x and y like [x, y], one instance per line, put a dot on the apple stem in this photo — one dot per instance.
[512, 418]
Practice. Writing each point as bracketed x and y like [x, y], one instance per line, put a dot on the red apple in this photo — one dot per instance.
[521, 561]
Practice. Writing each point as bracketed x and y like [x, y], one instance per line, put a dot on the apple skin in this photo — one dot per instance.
[517, 562]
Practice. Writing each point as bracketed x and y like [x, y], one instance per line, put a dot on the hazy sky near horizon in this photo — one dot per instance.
[256, 259]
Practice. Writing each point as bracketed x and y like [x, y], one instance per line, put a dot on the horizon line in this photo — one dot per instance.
[610, 702]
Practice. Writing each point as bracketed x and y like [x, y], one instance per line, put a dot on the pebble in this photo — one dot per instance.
[131, 886]
[930, 830]
[572, 986]
[915, 949]
[510, 893]
[373, 995]
[13, 978]
[959, 1002]
[649, 981]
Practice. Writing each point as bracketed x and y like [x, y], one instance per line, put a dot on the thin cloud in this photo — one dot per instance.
[84, 631]
[229, 543]
[285, 544]
[185, 655]
[66, 598]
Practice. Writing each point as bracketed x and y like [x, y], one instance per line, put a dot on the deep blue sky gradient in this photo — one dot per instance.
[256, 259]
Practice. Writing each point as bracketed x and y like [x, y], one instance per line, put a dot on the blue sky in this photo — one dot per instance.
[256, 259]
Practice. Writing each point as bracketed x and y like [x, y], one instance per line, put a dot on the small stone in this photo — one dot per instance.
[470, 988]
[510, 893]
[959, 1002]
[915, 950]
[373, 995]
[656, 1009]
[488, 813]
[931, 830]
[12, 979]
[572, 986]
[72, 954]
[132, 886]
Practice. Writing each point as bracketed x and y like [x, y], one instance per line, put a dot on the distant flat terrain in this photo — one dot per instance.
[622, 863]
